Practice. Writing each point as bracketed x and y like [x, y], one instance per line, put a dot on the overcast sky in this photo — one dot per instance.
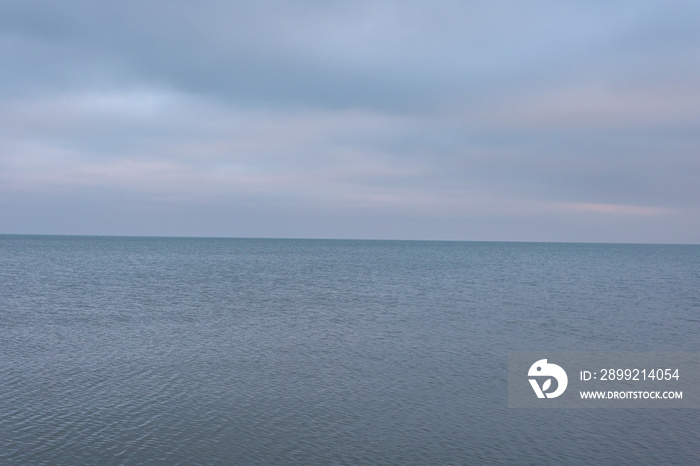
[493, 120]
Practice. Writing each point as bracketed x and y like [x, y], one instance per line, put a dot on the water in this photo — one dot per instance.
[244, 351]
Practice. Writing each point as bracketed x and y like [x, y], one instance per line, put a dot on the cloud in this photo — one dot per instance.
[616, 209]
[441, 112]
[385, 55]
[591, 106]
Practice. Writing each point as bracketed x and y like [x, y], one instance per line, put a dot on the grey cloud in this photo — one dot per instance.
[389, 55]
[370, 116]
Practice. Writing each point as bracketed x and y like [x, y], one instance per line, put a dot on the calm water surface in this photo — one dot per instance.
[244, 351]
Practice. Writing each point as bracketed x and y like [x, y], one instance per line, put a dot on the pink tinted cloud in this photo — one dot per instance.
[617, 209]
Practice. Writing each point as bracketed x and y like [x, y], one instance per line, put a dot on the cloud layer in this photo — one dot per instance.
[423, 120]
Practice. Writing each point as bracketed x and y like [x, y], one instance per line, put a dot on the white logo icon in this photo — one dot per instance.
[542, 369]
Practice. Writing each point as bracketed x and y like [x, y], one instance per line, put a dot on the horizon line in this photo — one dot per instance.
[341, 239]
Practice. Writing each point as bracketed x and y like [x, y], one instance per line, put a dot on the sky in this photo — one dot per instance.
[428, 120]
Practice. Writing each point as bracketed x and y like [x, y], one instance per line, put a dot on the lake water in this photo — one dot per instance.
[258, 351]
